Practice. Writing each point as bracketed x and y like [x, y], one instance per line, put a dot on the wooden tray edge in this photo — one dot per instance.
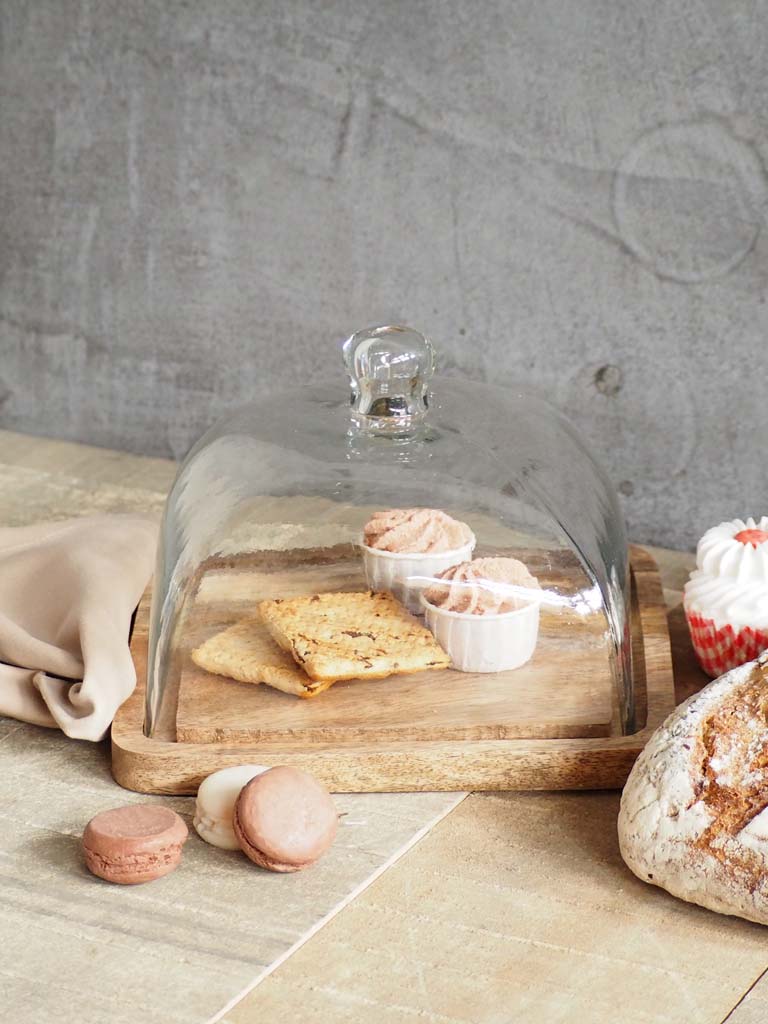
[159, 766]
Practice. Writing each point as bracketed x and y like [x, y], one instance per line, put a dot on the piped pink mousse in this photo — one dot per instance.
[482, 587]
[415, 531]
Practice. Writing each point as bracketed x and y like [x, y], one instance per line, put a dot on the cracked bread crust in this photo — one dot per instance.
[694, 811]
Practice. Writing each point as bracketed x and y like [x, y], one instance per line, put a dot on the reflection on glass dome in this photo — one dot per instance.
[428, 552]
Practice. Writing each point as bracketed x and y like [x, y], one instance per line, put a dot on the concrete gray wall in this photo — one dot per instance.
[199, 200]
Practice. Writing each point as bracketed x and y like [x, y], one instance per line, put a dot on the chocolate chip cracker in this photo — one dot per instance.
[351, 636]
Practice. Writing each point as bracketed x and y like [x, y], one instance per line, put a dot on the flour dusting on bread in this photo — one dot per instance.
[694, 812]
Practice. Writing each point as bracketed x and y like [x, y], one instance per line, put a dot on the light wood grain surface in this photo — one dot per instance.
[79, 951]
[519, 907]
[514, 907]
[161, 765]
[565, 690]
[753, 1008]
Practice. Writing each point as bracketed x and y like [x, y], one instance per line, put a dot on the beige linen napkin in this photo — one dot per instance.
[67, 593]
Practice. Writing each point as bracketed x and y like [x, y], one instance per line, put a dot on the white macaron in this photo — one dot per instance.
[215, 804]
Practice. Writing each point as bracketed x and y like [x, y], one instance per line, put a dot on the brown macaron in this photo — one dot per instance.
[284, 820]
[134, 844]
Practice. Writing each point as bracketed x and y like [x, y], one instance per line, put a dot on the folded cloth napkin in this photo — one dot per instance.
[67, 594]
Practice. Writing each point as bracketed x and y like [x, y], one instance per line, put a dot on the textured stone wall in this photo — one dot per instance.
[200, 200]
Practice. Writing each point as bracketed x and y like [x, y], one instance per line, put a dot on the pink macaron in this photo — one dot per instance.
[133, 844]
[284, 820]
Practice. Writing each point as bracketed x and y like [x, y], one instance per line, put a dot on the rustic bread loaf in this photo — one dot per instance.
[694, 812]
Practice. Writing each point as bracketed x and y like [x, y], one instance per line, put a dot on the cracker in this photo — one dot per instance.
[352, 636]
[247, 653]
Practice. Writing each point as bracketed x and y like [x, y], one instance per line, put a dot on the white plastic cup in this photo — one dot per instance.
[485, 643]
[405, 575]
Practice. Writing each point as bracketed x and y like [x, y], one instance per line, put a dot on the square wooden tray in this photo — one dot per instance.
[548, 725]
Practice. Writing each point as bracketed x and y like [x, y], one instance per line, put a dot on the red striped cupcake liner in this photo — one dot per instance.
[721, 648]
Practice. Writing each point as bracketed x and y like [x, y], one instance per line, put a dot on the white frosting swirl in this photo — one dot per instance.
[730, 581]
[725, 601]
[720, 554]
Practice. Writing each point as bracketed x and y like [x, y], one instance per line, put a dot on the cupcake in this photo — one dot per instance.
[726, 597]
[404, 547]
[484, 614]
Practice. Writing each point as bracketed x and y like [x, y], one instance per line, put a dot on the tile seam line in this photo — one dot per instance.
[736, 1006]
[341, 906]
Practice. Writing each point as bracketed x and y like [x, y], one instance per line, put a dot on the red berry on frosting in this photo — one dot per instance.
[753, 537]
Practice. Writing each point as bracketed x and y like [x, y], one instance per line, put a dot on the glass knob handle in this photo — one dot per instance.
[389, 369]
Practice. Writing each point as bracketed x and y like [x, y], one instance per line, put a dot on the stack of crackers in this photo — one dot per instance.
[303, 645]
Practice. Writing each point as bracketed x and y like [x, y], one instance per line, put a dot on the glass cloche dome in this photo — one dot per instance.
[428, 558]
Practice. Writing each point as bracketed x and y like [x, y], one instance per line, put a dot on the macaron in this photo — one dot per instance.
[215, 804]
[285, 820]
[134, 844]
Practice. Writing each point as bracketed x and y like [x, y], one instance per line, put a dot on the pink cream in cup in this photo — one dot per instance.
[404, 547]
[485, 614]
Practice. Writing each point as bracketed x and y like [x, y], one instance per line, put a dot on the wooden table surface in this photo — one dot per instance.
[512, 907]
